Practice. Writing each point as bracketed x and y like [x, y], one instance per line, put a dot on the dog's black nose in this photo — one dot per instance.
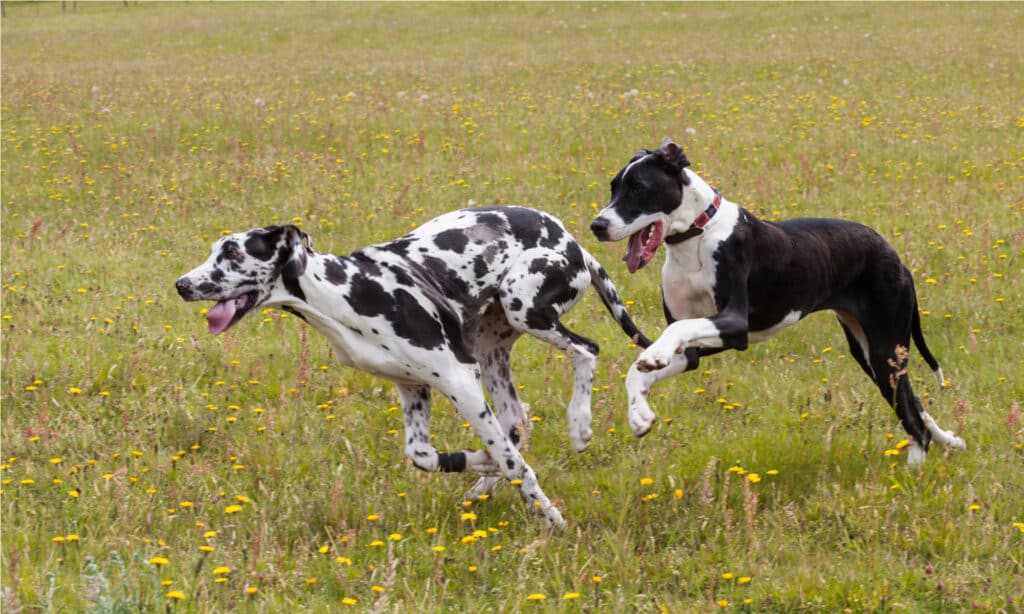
[184, 287]
[600, 228]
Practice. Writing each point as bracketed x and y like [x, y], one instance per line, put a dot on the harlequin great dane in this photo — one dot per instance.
[731, 279]
[438, 308]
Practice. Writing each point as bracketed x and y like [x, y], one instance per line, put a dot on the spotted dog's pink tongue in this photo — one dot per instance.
[219, 317]
[641, 247]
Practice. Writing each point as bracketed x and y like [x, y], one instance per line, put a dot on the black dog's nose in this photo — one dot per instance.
[600, 228]
[184, 287]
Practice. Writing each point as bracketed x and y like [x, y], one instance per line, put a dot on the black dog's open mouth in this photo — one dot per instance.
[642, 245]
[225, 313]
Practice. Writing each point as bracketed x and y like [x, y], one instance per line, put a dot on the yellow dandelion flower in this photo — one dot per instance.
[431, 530]
[596, 579]
[251, 590]
[570, 596]
[469, 539]
[753, 478]
[376, 543]
[377, 589]
[220, 571]
[232, 509]
[373, 517]
[536, 597]
[646, 481]
[242, 499]
[159, 561]
[728, 576]
[438, 549]
[471, 569]
[349, 601]
[343, 560]
[395, 537]
[468, 516]
[743, 580]
[175, 595]
[723, 603]
[324, 549]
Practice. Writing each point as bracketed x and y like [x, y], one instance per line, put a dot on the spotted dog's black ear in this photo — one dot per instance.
[292, 252]
[673, 154]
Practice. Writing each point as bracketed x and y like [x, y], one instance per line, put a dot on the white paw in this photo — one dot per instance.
[481, 463]
[580, 438]
[553, 518]
[656, 357]
[955, 442]
[483, 486]
[915, 455]
[641, 418]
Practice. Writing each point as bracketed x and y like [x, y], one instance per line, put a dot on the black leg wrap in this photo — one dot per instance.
[451, 461]
[908, 409]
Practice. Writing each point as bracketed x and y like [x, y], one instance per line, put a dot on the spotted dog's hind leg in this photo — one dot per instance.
[492, 349]
[416, 410]
[463, 388]
[540, 287]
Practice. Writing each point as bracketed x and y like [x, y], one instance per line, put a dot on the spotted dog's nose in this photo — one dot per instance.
[184, 287]
[600, 228]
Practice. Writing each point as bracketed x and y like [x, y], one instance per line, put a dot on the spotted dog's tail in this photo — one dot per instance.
[915, 331]
[610, 297]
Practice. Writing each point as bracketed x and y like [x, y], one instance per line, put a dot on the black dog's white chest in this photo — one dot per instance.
[688, 284]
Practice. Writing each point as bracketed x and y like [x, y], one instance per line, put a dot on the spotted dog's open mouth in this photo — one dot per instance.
[642, 245]
[221, 316]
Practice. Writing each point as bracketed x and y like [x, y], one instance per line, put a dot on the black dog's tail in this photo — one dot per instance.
[610, 297]
[915, 331]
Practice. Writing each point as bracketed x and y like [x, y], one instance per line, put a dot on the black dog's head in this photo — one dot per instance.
[243, 271]
[644, 195]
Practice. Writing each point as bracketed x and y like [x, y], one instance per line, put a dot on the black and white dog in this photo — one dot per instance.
[731, 279]
[438, 308]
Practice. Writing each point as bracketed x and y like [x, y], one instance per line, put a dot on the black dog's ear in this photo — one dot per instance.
[293, 252]
[673, 154]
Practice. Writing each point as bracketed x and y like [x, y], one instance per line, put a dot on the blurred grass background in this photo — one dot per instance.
[147, 465]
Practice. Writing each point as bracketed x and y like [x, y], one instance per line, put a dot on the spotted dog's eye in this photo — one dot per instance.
[231, 252]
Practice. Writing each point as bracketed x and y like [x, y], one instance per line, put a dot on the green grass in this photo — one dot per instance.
[133, 136]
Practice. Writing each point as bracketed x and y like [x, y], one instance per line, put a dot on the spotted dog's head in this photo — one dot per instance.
[645, 193]
[243, 271]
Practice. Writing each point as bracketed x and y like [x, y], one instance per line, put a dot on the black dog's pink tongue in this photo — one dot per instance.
[635, 252]
[219, 317]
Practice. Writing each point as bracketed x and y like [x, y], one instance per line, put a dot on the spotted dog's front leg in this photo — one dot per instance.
[416, 410]
[465, 393]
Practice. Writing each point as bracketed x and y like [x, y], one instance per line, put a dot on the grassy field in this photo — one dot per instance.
[147, 465]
